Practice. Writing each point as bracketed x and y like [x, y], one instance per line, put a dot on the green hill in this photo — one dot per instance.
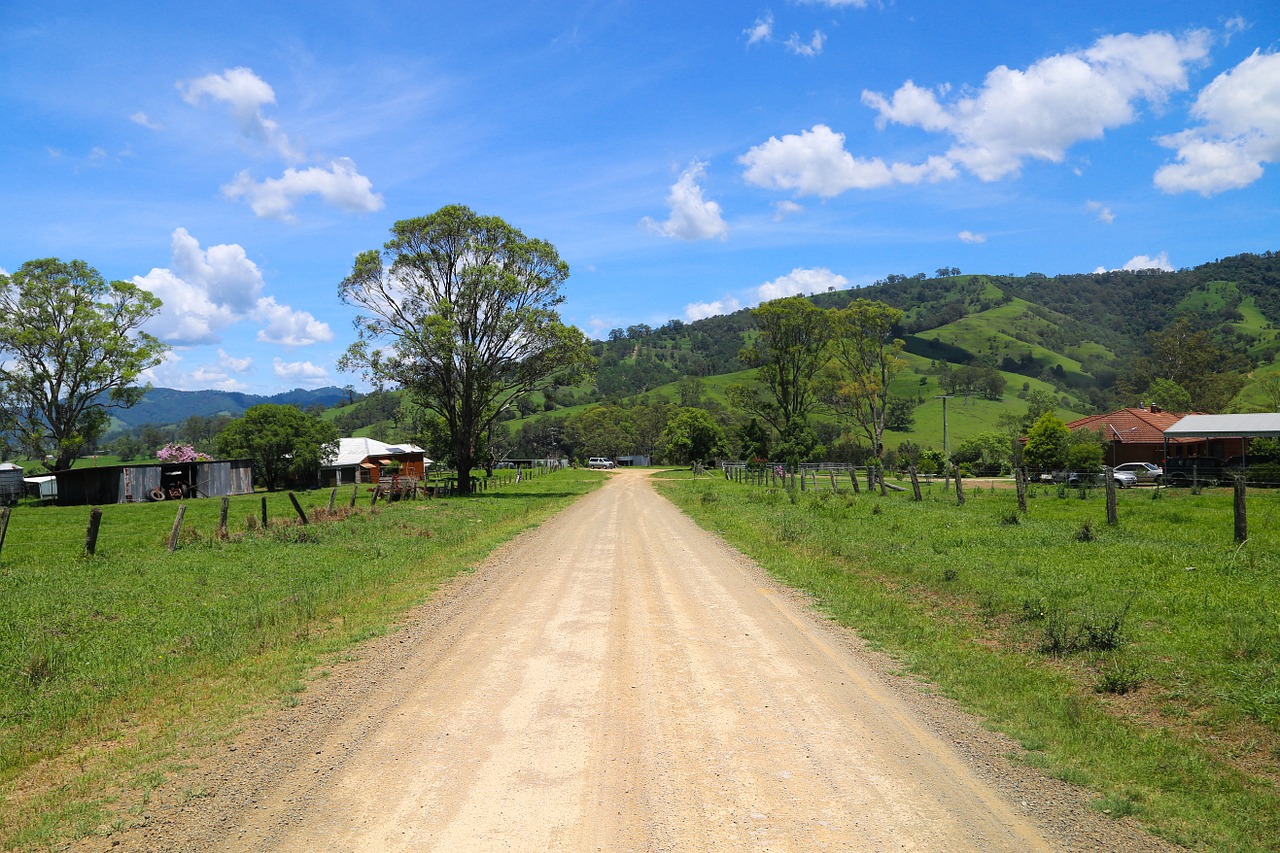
[1089, 340]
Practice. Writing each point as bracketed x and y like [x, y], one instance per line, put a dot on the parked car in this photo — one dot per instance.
[599, 462]
[1123, 479]
[1185, 470]
[1146, 472]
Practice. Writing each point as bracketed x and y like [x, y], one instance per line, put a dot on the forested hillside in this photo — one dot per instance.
[1096, 337]
[1193, 339]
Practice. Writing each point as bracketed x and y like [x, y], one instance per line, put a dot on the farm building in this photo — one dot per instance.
[11, 485]
[154, 481]
[1137, 435]
[1224, 436]
[366, 460]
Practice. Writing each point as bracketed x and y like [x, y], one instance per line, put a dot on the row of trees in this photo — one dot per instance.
[841, 360]
[460, 311]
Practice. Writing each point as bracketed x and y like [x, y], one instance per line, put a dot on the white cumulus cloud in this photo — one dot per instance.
[1145, 262]
[298, 371]
[1240, 111]
[967, 236]
[337, 182]
[171, 373]
[245, 93]
[233, 364]
[815, 162]
[339, 185]
[692, 216]
[1040, 112]
[206, 291]
[702, 310]
[800, 281]
[288, 327]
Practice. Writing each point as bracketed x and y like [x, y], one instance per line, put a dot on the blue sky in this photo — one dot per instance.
[685, 159]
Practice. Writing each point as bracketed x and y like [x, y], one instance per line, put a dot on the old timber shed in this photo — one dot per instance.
[117, 484]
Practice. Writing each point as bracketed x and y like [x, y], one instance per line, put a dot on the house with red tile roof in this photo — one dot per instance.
[1137, 435]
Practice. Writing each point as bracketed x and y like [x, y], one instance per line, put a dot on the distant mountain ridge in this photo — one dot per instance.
[168, 406]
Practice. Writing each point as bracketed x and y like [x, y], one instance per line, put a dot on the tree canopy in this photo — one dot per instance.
[283, 442]
[71, 348]
[865, 356]
[460, 310]
[788, 352]
[693, 436]
[1046, 448]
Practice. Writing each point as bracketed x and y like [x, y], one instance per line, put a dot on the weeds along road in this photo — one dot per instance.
[617, 679]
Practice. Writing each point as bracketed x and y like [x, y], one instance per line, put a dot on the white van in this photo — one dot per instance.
[600, 462]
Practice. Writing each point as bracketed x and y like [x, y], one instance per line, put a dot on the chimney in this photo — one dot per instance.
[1155, 410]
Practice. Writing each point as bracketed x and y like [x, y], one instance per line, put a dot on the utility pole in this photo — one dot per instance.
[946, 451]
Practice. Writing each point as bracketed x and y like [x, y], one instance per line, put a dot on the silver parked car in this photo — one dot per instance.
[1123, 479]
[1146, 472]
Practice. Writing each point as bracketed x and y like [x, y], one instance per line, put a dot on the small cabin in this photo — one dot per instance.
[367, 460]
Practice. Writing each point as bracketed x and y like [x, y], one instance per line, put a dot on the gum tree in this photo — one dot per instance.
[71, 349]
[460, 310]
[788, 352]
[865, 357]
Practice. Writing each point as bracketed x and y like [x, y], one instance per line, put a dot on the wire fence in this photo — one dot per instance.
[144, 526]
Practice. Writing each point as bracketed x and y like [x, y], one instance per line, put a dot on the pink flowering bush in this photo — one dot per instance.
[181, 453]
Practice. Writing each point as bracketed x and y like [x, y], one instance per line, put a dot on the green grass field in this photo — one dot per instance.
[108, 661]
[1142, 663]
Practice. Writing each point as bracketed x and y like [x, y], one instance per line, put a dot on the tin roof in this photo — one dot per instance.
[1226, 426]
[353, 451]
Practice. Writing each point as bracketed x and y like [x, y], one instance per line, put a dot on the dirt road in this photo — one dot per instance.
[616, 680]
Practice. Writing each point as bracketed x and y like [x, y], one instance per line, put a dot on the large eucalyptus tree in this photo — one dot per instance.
[460, 310]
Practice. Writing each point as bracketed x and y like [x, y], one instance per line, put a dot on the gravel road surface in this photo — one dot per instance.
[618, 679]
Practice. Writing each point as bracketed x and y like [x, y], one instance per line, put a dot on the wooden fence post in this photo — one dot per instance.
[915, 485]
[91, 534]
[297, 507]
[959, 486]
[1111, 494]
[871, 478]
[264, 512]
[1242, 521]
[333, 496]
[4, 524]
[355, 490]
[177, 527]
[222, 517]
[1020, 485]
[853, 478]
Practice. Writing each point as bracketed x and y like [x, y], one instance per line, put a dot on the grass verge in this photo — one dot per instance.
[109, 663]
[1140, 661]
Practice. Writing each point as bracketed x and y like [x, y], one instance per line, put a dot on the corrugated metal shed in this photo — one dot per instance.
[127, 483]
[1257, 425]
